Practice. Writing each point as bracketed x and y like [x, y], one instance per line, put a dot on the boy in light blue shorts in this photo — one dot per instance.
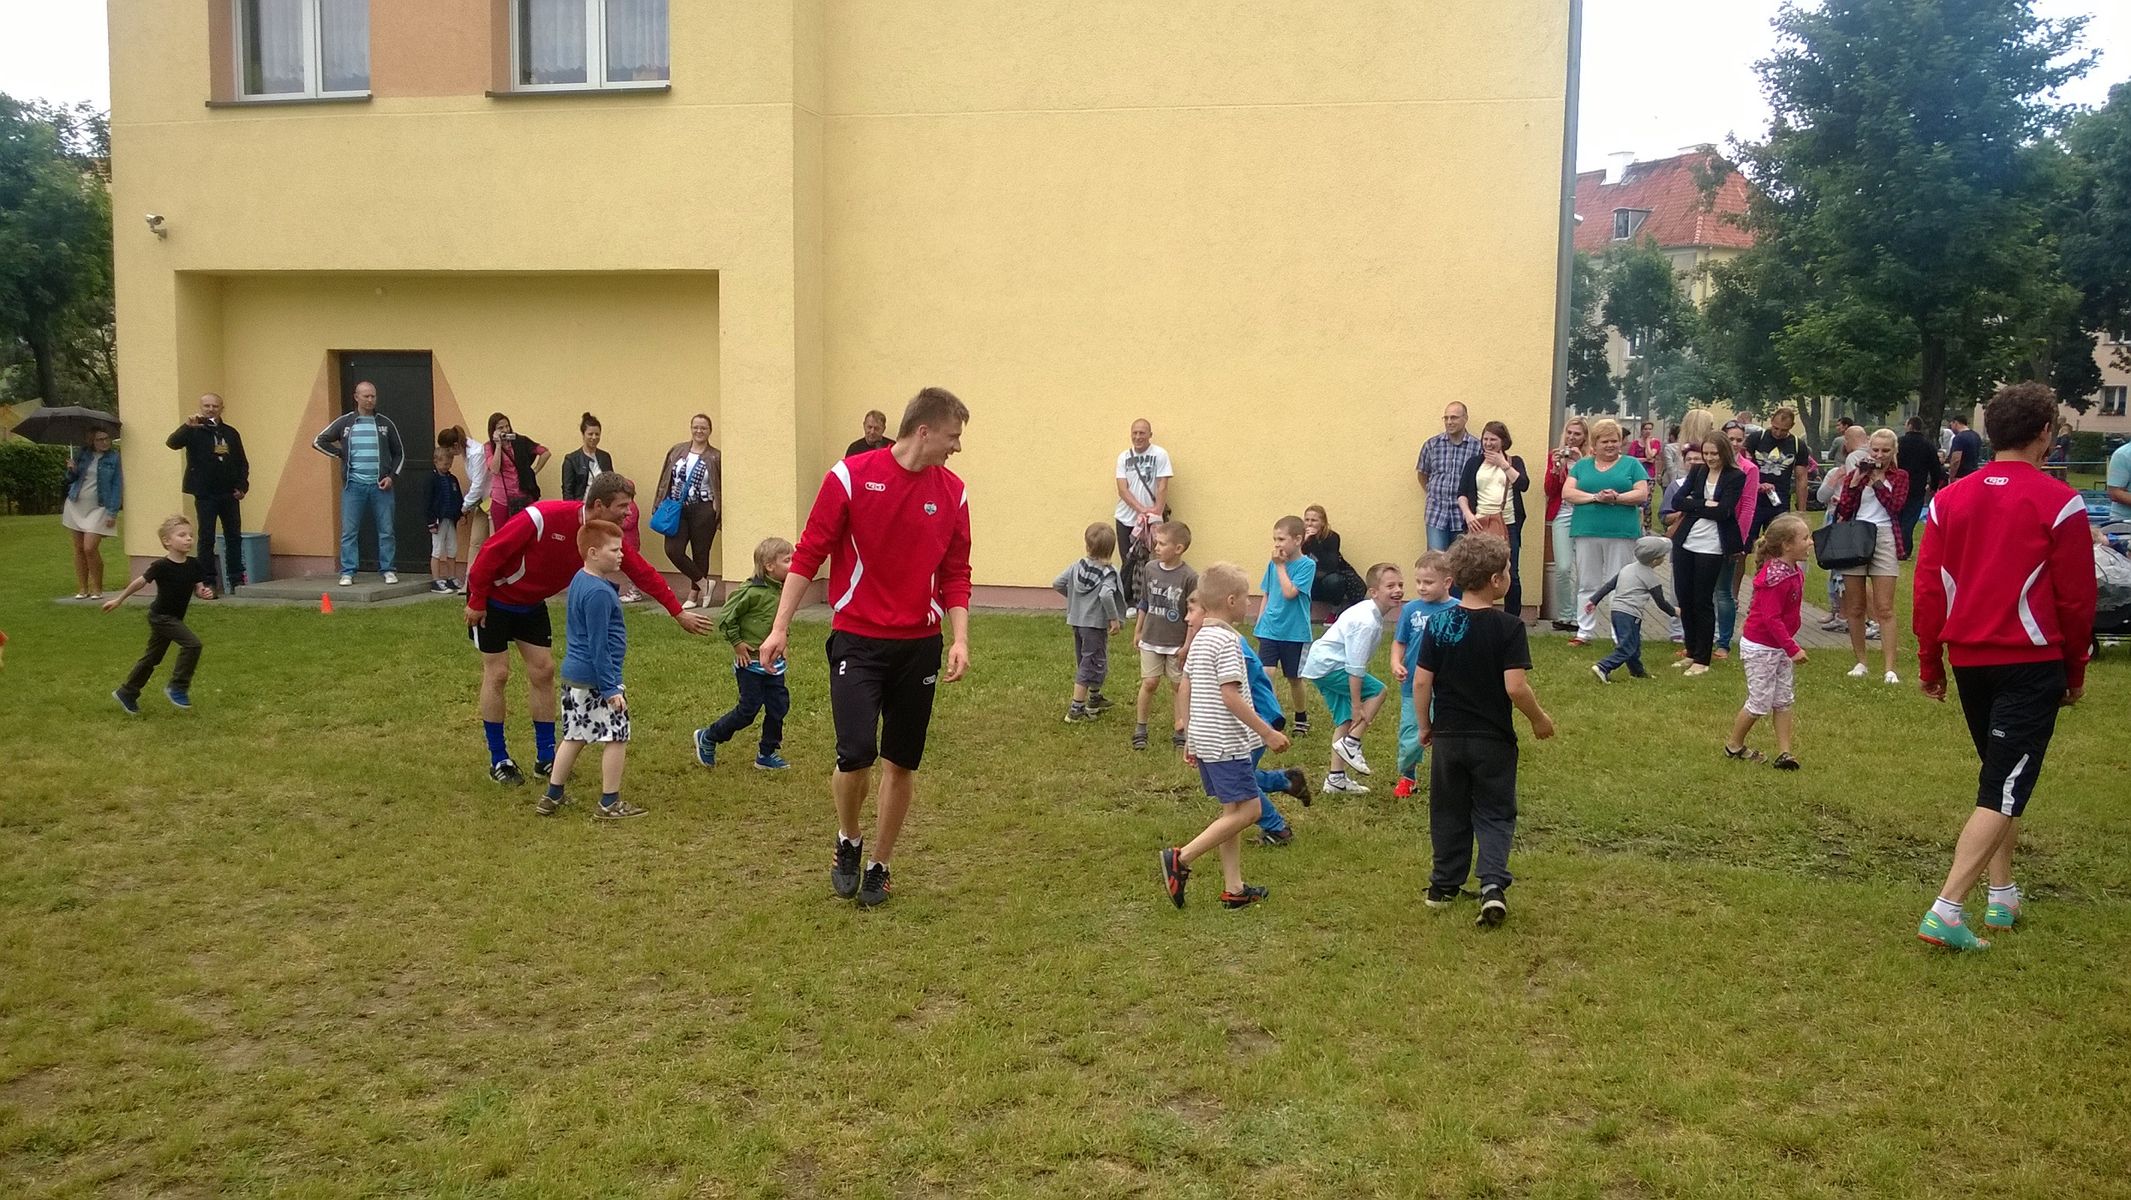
[1283, 627]
[1431, 592]
[1338, 663]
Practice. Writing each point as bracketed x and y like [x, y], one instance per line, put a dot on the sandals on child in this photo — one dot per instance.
[1784, 762]
[1744, 754]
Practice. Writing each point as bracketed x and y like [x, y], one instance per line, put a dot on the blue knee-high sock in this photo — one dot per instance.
[497, 751]
[543, 741]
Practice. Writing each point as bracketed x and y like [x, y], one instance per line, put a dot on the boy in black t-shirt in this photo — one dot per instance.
[1471, 672]
[175, 576]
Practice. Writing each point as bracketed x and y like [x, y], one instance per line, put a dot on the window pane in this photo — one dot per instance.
[551, 42]
[636, 41]
[344, 42]
[272, 39]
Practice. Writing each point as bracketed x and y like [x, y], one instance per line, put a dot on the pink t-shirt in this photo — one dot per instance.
[1747, 501]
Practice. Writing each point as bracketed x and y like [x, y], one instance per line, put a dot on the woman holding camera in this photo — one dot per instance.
[1874, 491]
[1558, 512]
[513, 464]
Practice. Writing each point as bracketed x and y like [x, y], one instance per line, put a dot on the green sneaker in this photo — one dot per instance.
[2001, 916]
[1940, 932]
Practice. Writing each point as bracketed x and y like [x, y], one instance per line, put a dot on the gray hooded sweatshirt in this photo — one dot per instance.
[1639, 583]
[1094, 595]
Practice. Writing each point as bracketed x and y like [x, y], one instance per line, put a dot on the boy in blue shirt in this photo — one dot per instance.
[1283, 627]
[592, 706]
[1431, 595]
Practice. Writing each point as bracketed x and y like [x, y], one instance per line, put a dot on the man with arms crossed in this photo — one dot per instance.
[529, 559]
[894, 529]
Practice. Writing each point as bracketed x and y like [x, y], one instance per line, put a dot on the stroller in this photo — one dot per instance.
[2112, 578]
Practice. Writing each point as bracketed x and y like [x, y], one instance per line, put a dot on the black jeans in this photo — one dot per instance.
[162, 632]
[1513, 599]
[1694, 576]
[689, 549]
[759, 693]
[221, 508]
[1472, 795]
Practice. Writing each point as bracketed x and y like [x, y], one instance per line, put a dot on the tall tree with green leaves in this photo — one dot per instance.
[1591, 387]
[1900, 169]
[1645, 304]
[55, 234]
[2095, 232]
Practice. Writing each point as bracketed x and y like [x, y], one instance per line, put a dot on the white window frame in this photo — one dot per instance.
[1637, 218]
[595, 56]
[2120, 394]
[314, 58]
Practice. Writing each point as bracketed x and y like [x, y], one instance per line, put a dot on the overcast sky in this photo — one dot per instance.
[1657, 74]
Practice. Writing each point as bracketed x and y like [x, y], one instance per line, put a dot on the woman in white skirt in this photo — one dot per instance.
[1874, 491]
[96, 491]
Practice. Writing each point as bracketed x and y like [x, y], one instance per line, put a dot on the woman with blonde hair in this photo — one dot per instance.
[1874, 491]
[1608, 490]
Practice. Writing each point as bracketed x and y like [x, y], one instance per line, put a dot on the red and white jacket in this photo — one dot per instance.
[2005, 574]
[897, 545]
[534, 555]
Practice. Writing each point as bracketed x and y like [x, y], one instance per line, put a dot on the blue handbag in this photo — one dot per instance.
[666, 518]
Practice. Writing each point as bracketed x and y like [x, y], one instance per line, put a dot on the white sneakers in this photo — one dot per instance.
[1349, 748]
[1601, 673]
[1340, 783]
[1892, 678]
[347, 579]
[1858, 671]
[391, 577]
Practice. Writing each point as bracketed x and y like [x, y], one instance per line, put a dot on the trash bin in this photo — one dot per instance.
[258, 558]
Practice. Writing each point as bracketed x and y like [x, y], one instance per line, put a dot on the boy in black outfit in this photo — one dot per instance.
[1471, 671]
[174, 575]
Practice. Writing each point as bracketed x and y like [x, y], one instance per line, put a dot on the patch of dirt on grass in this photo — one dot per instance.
[37, 1090]
[798, 1173]
[930, 1010]
[1195, 1108]
[1251, 1041]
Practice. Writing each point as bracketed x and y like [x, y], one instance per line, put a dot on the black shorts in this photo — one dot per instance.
[502, 627]
[880, 692]
[2011, 711]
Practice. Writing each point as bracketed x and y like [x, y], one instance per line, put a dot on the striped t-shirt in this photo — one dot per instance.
[1214, 733]
[362, 450]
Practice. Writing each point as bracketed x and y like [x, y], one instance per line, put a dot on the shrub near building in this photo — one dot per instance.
[33, 477]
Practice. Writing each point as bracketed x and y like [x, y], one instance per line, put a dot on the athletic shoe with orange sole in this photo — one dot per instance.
[1175, 875]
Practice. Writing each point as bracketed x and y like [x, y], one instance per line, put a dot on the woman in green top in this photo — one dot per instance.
[1608, 490]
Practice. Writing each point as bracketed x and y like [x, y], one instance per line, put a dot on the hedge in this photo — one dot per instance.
[2088, 446]
[33, 477]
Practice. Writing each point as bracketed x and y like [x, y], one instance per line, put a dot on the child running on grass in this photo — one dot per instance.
[176, 576]
[1338, 663]
[1222, 732]
[1636, 583]
[1273, 828]
[1769, 642]
[593, 710]
[1166, 584]
[1431, 591]
[1472, 670]
[744, 621]
[1283, 627]
[1095, 609]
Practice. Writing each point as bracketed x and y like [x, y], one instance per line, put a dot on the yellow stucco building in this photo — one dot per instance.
[1286, 231]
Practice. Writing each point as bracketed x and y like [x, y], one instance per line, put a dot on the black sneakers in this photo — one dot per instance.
[1301, 725]
[1174, 876]
[874, 890]
[1493, 908]
[1440, 897]
[1097, 702]
[843, 876]
[542, 768]
[1298, 785]
[506, 773]
[1272, 840]
[1139, 737]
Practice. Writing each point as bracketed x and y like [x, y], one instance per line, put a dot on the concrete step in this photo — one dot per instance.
[367, 589]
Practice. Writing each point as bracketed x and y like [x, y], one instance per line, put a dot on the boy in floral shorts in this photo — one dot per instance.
[593, 710]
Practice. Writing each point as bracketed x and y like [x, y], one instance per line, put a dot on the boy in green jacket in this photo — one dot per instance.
[745, 621]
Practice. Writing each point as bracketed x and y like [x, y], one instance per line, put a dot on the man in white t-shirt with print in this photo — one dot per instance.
[1143, 474]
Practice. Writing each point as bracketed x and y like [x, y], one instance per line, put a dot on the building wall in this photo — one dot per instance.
[2113, 374]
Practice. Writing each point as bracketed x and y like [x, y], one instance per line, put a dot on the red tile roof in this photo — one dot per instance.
[1670, 190]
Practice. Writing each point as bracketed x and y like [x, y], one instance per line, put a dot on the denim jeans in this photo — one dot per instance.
[1727, 601]
[1440, 539]
[1269, 818]
[1627, 644]
[358, 500]
[1564, 579]
[759, 693]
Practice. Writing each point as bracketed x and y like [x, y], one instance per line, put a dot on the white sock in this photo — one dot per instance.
[1949, 910]
[1341, 776]
[845, 839]
[2009, 894]
[876, 863]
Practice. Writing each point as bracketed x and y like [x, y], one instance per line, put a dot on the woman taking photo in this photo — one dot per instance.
[1706, 539]
[1609, 490]
[513, 463]
[1874, 491]
[693, 475]
[1338, 583]
[96, 491]
[1491, 498]
[587, 463]
[1558, 511]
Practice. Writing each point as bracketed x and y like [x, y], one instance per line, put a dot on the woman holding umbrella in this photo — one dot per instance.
[95, 494]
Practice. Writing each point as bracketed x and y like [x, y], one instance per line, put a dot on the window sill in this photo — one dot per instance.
[612, 89]
[286, 101]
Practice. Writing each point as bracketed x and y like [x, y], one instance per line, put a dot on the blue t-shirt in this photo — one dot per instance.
[1286, 620]
[1412, 622]
[1263, 701]
[2120, 477]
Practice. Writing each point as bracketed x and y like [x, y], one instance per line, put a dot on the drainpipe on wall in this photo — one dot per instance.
[1566, 258]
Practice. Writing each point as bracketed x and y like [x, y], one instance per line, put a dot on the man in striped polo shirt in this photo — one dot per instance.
[368, 446]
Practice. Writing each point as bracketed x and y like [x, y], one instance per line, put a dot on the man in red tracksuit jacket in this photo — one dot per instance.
[2005, 583]
[529, 559]
[894, 527]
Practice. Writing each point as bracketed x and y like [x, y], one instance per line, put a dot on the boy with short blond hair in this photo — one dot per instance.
[1222, 732]
[1095, 609]
[1431, 595]
[1338, 663]
[593, 710]
[176, 576]
[743, 621]
[1283, 627]
[1159, 632]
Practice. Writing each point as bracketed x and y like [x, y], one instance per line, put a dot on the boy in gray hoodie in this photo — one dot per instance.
[1637, 584]
[1095, 609]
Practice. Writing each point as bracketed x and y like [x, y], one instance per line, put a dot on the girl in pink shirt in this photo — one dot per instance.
[1769, 643]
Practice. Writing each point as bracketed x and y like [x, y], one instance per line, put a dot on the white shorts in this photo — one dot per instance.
[586, 719]
[1769, 676]
[444, 540]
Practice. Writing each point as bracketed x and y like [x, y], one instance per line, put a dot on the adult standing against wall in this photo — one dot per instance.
[903, 517]
[217, 475]
[96, 493]
[1441, 464]
[1491, 499]
[875, 436]
[1915, 455]
[1873, 491]
[587, 463]
[1574, 433]
[694, 474]
[371, 455]
[1705, 540]
[514, 464]
[1143, 474]
[2005, 588]
[1608, 490]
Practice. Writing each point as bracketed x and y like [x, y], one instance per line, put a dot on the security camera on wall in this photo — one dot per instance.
[155, 225]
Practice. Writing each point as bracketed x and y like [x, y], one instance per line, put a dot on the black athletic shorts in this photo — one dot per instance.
[2011, 711]
[502, 627]
[880, 692]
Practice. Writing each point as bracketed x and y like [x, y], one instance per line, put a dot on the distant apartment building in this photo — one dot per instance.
[2106, 408]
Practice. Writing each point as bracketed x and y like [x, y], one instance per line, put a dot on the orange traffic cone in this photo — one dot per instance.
[325, 604]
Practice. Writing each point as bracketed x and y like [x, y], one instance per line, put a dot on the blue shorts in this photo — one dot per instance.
[1286, 655]
[1333, 687]
[1231, 781]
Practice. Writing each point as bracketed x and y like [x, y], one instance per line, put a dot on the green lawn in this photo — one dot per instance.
[294, 943]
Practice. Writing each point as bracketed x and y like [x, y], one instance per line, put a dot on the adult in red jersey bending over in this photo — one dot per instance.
[2005, 582]
[894, 527]
[530, 558]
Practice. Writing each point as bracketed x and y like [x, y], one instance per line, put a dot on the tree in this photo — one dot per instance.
[2096, 224]
[1901, 173]
[55, 242]
[1591, 386]
[1645, 304]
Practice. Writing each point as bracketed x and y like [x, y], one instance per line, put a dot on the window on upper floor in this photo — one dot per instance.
[302, 48]
[1628, 221]
[2112, 401]
[570, 44]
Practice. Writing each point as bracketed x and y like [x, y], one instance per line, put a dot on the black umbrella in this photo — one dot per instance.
[66, 425]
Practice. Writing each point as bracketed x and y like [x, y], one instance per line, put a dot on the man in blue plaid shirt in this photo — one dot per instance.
[1442, 461]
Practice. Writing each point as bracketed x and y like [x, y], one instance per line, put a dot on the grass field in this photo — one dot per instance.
[294, 942]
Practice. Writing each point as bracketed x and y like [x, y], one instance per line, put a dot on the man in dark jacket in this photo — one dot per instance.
[1914, 453]
[217, 474]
